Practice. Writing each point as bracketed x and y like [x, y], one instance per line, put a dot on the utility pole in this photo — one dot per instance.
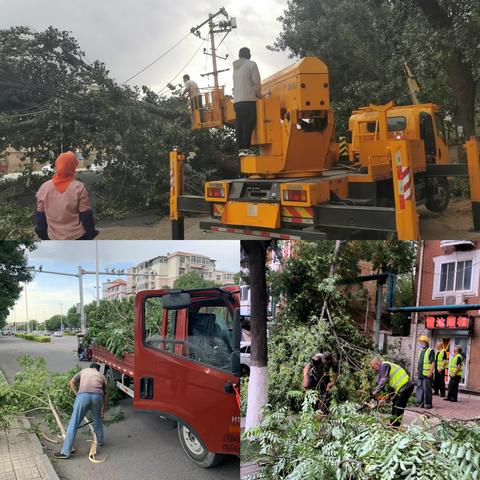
[222, 26]
[26, 307]
[83, 323]
[214, 51]
[61, 318]
[96, 270]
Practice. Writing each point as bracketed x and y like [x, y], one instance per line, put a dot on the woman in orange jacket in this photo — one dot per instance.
[63, 209]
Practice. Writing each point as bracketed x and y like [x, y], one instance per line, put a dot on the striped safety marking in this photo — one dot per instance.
[218, 210]
[298, 215]
[405, 190]
[256, 233]
[343, 146]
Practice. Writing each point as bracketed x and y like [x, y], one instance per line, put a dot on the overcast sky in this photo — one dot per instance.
[128, 35]
[46, 292]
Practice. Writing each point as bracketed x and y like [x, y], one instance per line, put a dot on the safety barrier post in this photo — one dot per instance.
[404, 191]
[473, 161]
[176, 190]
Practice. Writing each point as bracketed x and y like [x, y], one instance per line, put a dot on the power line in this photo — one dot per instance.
[157, 59]
[183, 68]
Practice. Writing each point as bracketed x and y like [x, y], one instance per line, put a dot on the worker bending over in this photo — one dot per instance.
[91, 395]
[246, 90]
[394, 377]
[426, 368]
[440, 370]
[321, 375]
[456, 374]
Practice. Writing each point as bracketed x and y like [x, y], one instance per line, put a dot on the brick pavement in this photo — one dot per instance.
[21, 454]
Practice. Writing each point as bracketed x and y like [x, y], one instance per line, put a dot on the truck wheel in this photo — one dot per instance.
[437, 195]
[195, 449]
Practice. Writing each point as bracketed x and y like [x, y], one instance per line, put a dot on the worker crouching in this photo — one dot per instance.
[321, 375]
[396, 379]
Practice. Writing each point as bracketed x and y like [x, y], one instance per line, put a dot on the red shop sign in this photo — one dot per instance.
[462, 322]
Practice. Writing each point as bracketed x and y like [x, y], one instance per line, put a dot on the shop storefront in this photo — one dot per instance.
[455, 330]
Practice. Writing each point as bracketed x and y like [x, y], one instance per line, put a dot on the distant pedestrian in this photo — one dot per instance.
[192, 92]
[63, 209]
[426, 368]
[246, 90]
[393, 376]
[91, 395]
[456, 374]
[440, 370]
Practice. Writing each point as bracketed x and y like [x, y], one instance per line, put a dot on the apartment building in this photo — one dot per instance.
[115, 289]
[162, 271]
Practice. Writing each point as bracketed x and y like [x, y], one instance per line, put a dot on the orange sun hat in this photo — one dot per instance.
[65, 166]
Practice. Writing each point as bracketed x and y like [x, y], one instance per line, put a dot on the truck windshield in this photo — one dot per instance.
[200, 333]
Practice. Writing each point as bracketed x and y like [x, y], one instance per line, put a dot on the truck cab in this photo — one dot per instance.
[410, 122]
[187, 366]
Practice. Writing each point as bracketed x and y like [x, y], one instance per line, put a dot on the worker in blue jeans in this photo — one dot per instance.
[91, 395]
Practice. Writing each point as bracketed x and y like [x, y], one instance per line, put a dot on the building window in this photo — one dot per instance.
[456, 276]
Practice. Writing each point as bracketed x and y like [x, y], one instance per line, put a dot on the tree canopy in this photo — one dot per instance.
[13, 272]
[365, 45]
[52, 99]
[193, 280]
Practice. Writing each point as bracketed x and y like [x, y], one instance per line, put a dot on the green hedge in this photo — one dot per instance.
[33, 337]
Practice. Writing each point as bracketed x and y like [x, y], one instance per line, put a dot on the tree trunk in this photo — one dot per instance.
[459, 68]
[255, 251]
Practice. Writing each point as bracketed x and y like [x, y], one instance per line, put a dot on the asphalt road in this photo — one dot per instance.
[142, 446]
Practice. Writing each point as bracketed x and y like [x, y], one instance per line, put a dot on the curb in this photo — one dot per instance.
[45, 461]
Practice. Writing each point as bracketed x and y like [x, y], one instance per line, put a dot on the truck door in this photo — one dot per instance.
[184, 367]
[427, 134]
[441, 138]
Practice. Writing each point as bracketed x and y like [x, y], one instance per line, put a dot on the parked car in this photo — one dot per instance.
[57, 334]
[245, 358]
[93, 167]
[47, 334]
[48, 169]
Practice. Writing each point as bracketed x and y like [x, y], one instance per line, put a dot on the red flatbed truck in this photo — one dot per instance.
[186, 367]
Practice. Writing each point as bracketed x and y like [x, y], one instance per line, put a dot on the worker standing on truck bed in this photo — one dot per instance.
[246, 90]
[91, 395]
[321, 375]
[63, 209]
[396, 378]
[426, 368]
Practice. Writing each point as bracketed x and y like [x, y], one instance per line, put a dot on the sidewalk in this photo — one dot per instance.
[21, 454]
[468, 406]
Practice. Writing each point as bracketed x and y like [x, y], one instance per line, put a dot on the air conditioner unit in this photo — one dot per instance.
[450, 300]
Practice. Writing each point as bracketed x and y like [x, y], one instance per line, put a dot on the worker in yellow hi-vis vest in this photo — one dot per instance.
[456, 374]
[395, 378]
[441, 361]
[426, 368]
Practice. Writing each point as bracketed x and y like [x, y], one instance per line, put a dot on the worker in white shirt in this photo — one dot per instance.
[192, 92]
